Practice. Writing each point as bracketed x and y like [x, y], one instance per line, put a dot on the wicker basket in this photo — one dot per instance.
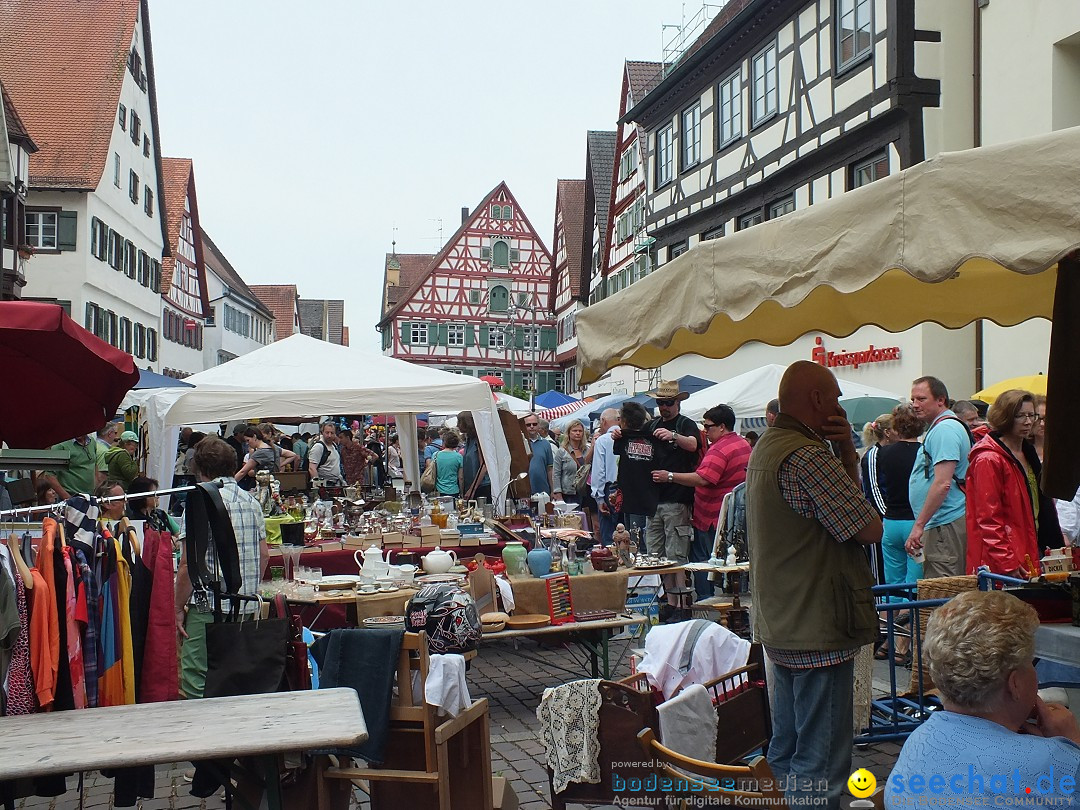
[938, 588]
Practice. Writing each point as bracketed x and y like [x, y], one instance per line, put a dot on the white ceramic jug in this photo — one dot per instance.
[373, 564]
[439, 561]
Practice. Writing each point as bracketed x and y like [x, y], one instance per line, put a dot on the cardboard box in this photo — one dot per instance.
[412, 541]
[470, 541]
[434, 533]
[502, 794]
[448, 541]
[392, 539]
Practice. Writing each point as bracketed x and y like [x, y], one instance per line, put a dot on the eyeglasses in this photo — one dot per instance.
[532, 424]
[708, 425]
[665, 403]
[1026, 417]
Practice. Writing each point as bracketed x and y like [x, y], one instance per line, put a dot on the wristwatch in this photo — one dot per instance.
[670, 477]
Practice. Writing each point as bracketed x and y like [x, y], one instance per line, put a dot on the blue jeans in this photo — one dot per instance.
[607, 526]
[899, 567]
[700, 551]
[810, 750]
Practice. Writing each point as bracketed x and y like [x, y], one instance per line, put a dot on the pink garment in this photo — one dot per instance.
[74, 633]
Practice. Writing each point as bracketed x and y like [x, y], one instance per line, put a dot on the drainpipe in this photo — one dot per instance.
[976, 138]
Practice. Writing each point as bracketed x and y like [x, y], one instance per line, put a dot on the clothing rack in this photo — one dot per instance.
[29, 510]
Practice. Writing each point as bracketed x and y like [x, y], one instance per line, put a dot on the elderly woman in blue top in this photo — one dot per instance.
[996, 742]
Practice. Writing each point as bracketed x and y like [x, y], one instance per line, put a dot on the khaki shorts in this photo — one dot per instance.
[946, 549]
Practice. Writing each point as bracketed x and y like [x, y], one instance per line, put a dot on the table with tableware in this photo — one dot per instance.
[259, 726]
[592, 637]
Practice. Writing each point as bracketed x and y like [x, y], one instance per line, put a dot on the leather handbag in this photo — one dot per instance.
[430, 476]
[297, 671]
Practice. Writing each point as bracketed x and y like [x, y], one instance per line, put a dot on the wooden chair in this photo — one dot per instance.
[743, 723]
[429, 763]
[718, 785]
[625, 708]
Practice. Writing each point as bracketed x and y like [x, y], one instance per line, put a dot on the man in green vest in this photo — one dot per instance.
[807, 523]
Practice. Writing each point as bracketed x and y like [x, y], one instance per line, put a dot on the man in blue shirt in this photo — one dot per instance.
[935, 487]
[434, 445]
[541, 458]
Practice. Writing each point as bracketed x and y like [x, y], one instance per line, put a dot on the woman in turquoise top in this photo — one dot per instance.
[448, 466]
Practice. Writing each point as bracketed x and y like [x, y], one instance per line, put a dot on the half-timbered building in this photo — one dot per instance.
[781, 104]
[569, 258]
[483, 304]
[185, 304]
[623, 255]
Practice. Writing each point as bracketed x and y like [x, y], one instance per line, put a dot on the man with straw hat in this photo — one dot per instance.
[669, 532]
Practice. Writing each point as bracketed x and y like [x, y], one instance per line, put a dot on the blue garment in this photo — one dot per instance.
[812, 718]
[978, 757]
[539, 463]
[447, 462]
[899, 566]
[605, 468]
[700, 551]
[429, 451]
[946, 440]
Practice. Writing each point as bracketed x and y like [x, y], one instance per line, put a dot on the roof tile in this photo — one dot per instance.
[570, 199]
[281, 300]
[63, 62]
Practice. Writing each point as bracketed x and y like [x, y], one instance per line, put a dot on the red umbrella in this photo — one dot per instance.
[492, 380]
[62, 380]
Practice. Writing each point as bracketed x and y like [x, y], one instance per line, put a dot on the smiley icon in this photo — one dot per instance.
[861, 783]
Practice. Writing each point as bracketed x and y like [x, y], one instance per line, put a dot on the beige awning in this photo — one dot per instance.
[963, 236]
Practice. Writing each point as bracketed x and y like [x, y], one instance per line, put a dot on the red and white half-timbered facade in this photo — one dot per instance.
[484, 304]
[183, 274]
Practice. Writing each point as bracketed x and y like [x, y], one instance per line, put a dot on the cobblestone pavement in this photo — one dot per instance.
[513, 686]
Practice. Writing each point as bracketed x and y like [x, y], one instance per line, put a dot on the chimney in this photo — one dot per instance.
[464, 215]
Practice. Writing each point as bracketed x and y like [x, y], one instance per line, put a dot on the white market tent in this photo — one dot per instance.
[300, 376]
[749, 393]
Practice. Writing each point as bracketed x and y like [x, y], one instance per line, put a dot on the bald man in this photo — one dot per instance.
[807, 523]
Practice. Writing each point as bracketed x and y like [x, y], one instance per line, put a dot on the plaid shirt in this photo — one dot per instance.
[249, 526]
[815, 485]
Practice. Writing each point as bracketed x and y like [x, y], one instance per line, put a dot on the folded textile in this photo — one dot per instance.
[446, 686]
[366, 661]
[677, 655]
[569, 718]
[688, 723]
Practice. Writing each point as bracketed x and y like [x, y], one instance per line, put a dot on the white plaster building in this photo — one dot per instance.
[81, 76]
[238, 321]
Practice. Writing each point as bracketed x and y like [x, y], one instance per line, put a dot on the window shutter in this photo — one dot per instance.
[484, 336]
[474, 296]
[470, 335]
[519, 337]
[442, 331]
[406, 333]
[485, 253]
[547, 339]
[515, 255]
[67, 230]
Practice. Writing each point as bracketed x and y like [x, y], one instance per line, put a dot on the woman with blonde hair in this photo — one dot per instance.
[876, 434]
[1009, 519]
[573, 448]
[996, 742]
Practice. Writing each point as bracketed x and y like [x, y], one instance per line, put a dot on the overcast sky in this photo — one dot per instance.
[316, 128]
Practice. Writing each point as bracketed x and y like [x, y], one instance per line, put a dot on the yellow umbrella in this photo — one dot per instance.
[1035, 383]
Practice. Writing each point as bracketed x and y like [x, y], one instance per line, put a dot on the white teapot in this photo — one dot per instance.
[439, 561]
[373, 564]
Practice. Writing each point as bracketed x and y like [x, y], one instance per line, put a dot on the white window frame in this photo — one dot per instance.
[859, 17]
[526, 381]
[729, 94]
[665, 154]
[45, 226]
[496, 338]
[530, 338]
[690, 135]
[418, 333]
[869, 169]
[749, 220]
[764, 84]
[455, 335]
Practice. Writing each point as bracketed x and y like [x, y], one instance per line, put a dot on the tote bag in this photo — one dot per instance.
[430, 476]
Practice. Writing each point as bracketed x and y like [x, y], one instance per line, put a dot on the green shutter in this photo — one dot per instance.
[470, 335]
[441, 331]
[406, 333]
[515, 255]
[519, 337]
[547, 339]
[483, 337]
[67, 230]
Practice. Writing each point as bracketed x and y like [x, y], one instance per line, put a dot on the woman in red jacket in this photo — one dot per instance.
[1009, 520]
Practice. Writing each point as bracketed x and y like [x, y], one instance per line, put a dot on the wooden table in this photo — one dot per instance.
[259, 726]
[593, 637]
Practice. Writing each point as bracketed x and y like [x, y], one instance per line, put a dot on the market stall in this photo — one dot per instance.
[304, 377]
[960, 237]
